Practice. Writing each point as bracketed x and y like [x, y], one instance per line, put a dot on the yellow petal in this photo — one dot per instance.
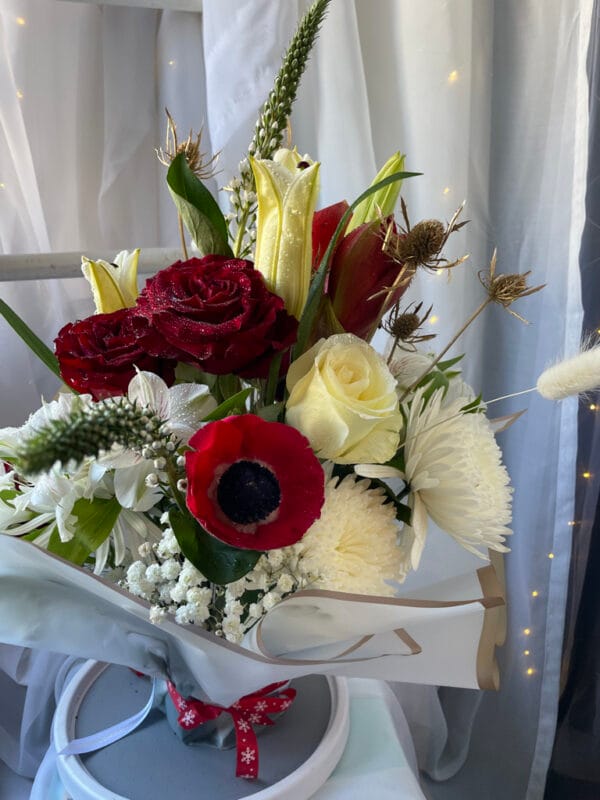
[286, 203]
[114, 286]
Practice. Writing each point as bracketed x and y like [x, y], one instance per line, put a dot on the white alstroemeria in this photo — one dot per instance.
[131, 489]
[49, 502]
[183, 406]
[16, 519]
[131, 530]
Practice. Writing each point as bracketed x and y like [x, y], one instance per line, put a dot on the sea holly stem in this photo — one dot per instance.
[89, 430]
[443, 352]
[501, 289]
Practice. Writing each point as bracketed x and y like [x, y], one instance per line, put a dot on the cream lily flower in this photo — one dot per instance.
[287, 195]
[114, 286]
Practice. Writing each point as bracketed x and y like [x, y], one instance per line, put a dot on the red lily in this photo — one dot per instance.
[360, 271]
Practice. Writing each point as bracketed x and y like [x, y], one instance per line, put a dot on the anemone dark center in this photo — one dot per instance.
[248, 492]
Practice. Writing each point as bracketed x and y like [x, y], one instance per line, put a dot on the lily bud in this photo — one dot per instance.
[381, 203]
[114, 286]
[286, 190]
[360, 277]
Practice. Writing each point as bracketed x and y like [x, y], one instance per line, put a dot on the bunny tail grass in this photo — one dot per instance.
[576, 375]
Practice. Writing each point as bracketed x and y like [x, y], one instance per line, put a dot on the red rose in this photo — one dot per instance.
[219, 314]
[98, 355]
[253, 484]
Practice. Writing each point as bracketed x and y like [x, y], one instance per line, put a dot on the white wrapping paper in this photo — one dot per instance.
[445, 636]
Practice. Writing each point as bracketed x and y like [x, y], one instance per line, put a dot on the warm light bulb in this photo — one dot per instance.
[534, 593]
[439, 272]
[20, 20]
[593, 406]
[447, 191]
[586, 475]
[550, 555]
[433, 320]
[2, 185]
[172, 62]
[20, 94]
[571, 523]
[526, 652]
[527, 631]
[453, 76]
[530, 671]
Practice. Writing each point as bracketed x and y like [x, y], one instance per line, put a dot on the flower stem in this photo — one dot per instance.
[182, 237]
[440, 355]
[241, 231]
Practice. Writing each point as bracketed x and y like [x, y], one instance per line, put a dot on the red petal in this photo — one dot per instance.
[324, 224]
[281, 448]
[361, 269]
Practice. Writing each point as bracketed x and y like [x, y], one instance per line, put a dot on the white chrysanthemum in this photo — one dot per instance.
[454, 468]
[353, 546]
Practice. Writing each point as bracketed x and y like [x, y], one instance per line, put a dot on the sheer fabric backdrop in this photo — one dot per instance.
[489, 101]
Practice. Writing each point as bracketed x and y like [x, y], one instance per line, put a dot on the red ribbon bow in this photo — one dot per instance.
[253, 709]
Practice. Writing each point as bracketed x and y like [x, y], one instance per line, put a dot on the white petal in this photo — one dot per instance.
[149, 390]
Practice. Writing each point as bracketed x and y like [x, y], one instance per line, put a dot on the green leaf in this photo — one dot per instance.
[271, 413]
[474, 407]
[397, 462]
[450, 362]
[318, 282]
[227, 386]
[35, 344]
[234, 405]
[217, 561]
[199, 210]
[31, 537]
[186, 373]
[273, 378]
[95, 520]
[403, 512]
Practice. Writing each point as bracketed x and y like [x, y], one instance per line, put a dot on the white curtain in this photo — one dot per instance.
[488, 99]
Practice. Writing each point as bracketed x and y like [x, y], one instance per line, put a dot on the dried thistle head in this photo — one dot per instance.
[422, 245]
[505, 289]
[197, 161]
[404, 325]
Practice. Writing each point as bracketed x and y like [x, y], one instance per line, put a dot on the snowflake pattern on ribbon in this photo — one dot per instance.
[253, 709]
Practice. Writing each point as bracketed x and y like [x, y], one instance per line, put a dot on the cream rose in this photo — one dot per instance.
[343, 399]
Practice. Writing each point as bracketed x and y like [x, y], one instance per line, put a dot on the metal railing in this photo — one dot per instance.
[45, 266]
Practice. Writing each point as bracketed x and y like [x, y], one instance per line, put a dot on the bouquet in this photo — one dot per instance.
[233, 483]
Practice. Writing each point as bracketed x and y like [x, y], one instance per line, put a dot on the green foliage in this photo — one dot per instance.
[217, 561]
[35, 344]
[199, 210]
[233, 405]
[95, 520]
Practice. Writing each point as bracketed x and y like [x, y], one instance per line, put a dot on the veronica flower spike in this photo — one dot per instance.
[286, 189]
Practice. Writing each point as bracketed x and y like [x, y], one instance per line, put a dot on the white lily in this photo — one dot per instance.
[286, 189]
[114, 286]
